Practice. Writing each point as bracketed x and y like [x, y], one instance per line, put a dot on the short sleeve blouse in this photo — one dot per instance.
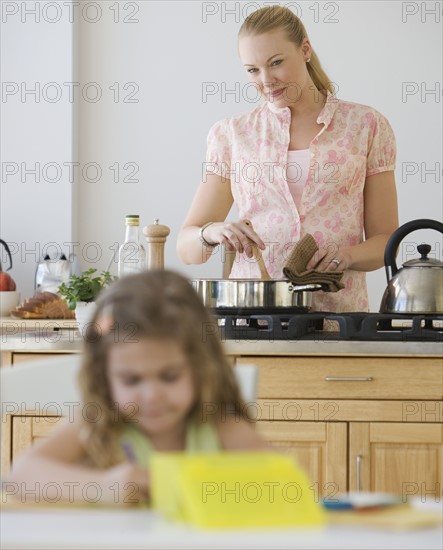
[251, 150]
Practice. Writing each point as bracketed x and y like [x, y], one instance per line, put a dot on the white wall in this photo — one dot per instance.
[36, 134]
[369, 49]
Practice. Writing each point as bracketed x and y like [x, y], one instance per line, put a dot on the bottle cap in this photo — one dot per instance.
[132, 219]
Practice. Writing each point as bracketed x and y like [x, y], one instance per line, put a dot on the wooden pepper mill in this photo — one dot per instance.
[156, 235]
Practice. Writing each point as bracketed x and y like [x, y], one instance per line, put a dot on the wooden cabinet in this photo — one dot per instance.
[352, 422]
[368, 423]
[26, 429]
[19, 431]
[28, 417]
[400, 458]
[320, 448]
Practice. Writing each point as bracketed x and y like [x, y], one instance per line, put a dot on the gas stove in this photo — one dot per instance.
[293, 325]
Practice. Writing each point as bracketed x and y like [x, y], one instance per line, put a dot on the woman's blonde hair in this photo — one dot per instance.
[159, 305]
[272, 18]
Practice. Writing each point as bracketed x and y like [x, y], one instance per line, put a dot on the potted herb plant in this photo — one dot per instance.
[81, 291]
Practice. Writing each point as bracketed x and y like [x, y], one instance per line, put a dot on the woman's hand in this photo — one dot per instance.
[125, 483]
[331, 258]
[235, 236]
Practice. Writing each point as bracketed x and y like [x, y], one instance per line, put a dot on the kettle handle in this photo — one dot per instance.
[8, 251]
[398, 235]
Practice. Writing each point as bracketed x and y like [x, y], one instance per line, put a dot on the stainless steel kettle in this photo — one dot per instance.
[418, 286]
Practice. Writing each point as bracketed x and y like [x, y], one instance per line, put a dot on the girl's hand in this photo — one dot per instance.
[125, 483]
[235, 236]
[330, 258]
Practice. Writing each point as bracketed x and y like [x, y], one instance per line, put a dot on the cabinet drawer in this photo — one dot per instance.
[348, 377]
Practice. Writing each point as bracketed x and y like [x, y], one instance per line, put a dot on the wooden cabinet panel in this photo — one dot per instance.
[341, 410]
[405, 459]
[349, 377]
[319, 447]
[26, 429]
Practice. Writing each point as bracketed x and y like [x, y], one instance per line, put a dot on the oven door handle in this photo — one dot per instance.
[349, 379]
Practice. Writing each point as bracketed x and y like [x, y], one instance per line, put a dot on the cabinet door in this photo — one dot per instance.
[401, 458]
[26, 429]
[319, 447]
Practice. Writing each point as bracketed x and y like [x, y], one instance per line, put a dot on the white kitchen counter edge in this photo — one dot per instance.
[70, 342]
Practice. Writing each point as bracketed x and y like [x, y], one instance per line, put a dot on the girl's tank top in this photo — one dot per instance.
[199, 438]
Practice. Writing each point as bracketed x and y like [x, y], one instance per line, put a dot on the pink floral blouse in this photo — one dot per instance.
[252, 151]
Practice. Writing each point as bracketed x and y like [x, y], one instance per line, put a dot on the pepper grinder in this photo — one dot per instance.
[156, 235]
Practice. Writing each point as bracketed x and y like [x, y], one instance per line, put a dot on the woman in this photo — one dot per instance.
[301, 162]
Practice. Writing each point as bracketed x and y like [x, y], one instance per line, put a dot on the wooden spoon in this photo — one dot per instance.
[264, 274]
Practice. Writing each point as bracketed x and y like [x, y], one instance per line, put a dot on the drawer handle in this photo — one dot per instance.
[358, 460]
[348, 379]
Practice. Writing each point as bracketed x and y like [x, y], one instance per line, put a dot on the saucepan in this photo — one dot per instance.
[253, 294]
[266, 294]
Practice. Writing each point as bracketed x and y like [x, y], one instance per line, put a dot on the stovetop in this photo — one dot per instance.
[293, 325]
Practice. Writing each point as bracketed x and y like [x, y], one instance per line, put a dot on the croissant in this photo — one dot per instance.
[44, 305]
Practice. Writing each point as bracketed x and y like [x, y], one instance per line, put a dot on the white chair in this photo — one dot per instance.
[46, 385]
[31, 393]
[49, 386]
[247, 379]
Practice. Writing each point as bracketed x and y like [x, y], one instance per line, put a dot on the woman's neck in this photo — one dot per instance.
[311, 102]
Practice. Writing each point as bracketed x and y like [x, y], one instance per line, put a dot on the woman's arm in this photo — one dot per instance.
[380, 221]
[53, 470]
[212, 203]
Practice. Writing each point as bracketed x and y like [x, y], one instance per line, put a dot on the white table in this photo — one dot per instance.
[61, 528]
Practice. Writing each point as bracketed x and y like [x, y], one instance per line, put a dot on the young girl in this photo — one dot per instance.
[155, 371]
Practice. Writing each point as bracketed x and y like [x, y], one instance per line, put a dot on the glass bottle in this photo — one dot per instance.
[131, 254]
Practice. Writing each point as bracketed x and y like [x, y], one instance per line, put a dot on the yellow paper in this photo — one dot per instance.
[233, 490]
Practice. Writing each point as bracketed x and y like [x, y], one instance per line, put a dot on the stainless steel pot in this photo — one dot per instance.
[418, 286]
[254, 294]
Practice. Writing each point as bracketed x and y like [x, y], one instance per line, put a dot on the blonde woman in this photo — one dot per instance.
[154, 377]
[303, 161]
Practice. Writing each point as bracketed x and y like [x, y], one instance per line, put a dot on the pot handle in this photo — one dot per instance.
[398, 235]
[5, 244]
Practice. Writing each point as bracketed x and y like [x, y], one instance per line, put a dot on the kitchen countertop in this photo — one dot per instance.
[64, 528]
[10, 323]
[61, 336]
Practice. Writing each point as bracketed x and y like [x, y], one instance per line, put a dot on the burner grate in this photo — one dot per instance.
[345, 326]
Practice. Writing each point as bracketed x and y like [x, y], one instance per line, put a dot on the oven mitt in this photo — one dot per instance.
[295, 267]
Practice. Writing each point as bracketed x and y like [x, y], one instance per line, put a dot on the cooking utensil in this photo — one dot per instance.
[236, 294]
[252, 294]
[418, 286]
[257, 254]
[248, 295]
[264, 274]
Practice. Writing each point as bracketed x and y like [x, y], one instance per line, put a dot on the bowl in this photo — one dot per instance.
[9, 299]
